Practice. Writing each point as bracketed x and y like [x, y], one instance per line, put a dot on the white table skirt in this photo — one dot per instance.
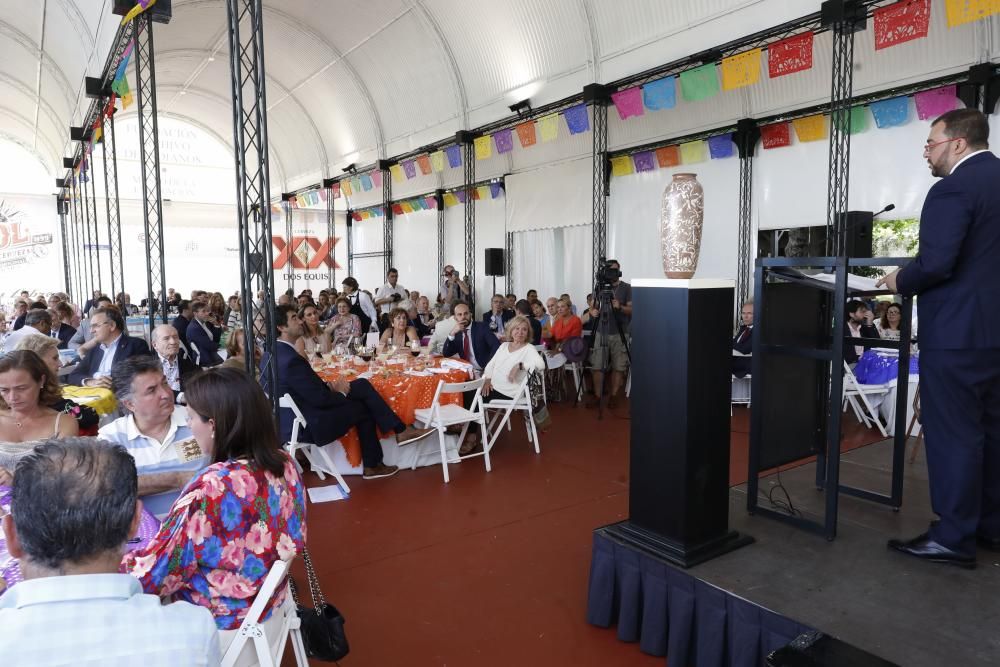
[888, 406]
[426, 453]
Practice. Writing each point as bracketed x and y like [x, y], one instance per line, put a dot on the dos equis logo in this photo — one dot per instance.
[304, 253]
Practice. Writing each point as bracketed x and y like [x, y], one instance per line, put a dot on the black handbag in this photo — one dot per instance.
[322, 624]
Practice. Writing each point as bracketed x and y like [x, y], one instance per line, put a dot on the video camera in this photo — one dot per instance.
[607, 274]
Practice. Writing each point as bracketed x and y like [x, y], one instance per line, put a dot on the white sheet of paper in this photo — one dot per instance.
[325, 494]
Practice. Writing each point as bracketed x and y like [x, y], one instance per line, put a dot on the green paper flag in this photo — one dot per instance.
[700, 83]
[859, 120]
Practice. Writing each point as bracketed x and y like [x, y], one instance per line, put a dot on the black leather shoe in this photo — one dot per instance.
[988, 543]
[924, 548]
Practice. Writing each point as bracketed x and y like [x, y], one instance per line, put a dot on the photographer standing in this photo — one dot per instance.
[611, 350]
[388, 295]
[453, 288]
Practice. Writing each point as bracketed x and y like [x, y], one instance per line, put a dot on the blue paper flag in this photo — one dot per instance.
[366, 182]
[892, 112]
[660, 94]
[576, 119]
[495, 190]
[454, 154]
[721, 146]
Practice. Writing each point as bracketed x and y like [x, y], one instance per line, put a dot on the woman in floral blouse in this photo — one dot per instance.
[237, 516]
[343, 326]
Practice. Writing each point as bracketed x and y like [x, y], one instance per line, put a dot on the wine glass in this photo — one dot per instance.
[415, 347]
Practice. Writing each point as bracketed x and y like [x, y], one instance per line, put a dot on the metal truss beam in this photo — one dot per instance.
[245, 27]
[746, 137]
[386, 221]
[350, 243]
[441, 261]
[469, 168]
[88, 245]
[95, 246]
[599, 185]
[62, 207]
[331, 234]
[508, 259]
[841, 91]
[77, 212]
[289, 235]
[112, 205]
[149, 159]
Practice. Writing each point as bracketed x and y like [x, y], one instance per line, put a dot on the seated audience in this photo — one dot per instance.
[857, 325]
[399, 334]
[510, 301]
[73, 509]
[542, 317]
[125, 305]
[114, 346]
[413, 320]
[512, 360]
[45, 347]
[523, 308]
[176, 366]
[743, 341]
[442, 330]
[564, 326]
[531, 295]
[332, 409]
[83, 340]
[92, 301]
[471, 341]
[314, 341]
[232, 314]
[203, 336]
[343, 326]
[155, 432]
[498, 315]
[37, 321]
[236, 518]
[572, 308]
[236, 353]
[425, 313]
[888, 326]
[182, 322]
[62, 329]
[27, 388]
[19, 321]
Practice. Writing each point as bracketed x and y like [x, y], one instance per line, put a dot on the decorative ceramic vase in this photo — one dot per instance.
[681, 218]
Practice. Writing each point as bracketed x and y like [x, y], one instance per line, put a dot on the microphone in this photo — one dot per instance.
[888, 207]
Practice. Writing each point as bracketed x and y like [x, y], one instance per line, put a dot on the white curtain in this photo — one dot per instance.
[577, 262]
[414, 251]
[534, 261]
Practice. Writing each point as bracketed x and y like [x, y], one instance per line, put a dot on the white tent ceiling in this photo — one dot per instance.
[350, 82]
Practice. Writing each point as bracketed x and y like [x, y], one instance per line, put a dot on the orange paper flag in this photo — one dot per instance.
[668, 156]
[526, 133]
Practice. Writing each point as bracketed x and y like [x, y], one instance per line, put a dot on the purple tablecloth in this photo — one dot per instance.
[875, 368]
[10, 569]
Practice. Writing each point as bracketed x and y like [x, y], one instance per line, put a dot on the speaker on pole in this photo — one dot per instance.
[494, 262]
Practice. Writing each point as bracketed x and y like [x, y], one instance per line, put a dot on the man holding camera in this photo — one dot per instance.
[388, 295]
[453, 288]
[610, 350]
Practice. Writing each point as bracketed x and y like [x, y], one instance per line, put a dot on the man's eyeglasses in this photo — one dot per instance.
[931, 144]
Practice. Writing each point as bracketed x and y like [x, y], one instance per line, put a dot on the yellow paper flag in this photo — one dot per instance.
[810, 128]
[741, 70]
[345, 187]
[437, 161]
[450, 199]
[693, 151]
[484, 191]
[484, 147]
[548, 127]
[397, 172]
[407, 207]
[965, 11]
[621, 166]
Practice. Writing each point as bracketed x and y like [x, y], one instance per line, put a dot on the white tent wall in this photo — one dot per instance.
[414, 240]
[491, 232]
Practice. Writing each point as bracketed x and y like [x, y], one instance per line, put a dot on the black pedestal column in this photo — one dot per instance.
[679, 451]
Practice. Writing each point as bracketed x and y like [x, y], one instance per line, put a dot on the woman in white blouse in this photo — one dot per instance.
[512, 361]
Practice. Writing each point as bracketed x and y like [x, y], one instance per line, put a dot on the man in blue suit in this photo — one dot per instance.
[954, 276]
[498, 315]
[203, 335]
[332, 409]
[113, 345]
[472, 341]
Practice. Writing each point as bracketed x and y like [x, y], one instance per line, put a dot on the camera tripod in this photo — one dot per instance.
[599, 343]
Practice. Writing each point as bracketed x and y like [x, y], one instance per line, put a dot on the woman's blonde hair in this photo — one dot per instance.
[40, 344]
[515, 321]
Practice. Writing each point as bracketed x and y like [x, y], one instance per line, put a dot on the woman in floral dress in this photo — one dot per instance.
[236, 517]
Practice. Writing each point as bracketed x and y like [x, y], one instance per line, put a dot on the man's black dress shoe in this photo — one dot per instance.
[988, 543]
[924, 548]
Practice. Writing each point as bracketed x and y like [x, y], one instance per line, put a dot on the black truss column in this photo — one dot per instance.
[245, 23]
[112, 205]
[77, 211]
[387, 218]
[441, 261]
[597, 97]
[746, 137]
[465, 139]
[149, 157]
[286, 204]
[95, 247]
[331, 232]
[88, 246]
[844, 18]
[62, 207]
[350, 242]
[508, 259]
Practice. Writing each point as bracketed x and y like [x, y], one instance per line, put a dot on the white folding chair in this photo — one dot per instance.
[318, 459]
[502, 409]
[440, 417]
[857, 394]
[739, 394]
[252, 629]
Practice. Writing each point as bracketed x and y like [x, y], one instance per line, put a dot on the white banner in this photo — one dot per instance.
[30, 246]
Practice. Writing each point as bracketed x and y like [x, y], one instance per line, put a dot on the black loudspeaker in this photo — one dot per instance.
[858, 233]
[494, 262]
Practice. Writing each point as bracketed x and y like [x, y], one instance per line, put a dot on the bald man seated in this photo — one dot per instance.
[176, 365]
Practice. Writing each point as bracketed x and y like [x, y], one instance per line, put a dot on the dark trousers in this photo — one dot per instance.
[368, 411]
[960, 413]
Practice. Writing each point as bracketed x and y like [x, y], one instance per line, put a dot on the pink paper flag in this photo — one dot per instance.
[933, 103]
[377, 178]
[628, 102]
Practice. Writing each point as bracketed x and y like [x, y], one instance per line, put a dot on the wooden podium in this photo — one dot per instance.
[679, 454]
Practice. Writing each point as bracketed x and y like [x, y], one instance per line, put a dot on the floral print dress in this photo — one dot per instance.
[221, 537]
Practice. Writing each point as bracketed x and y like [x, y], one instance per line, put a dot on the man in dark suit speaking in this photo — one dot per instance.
[954, 276]
[332, 409]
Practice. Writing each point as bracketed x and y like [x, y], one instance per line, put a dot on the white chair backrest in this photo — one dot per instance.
[287, 401]
[276, 577]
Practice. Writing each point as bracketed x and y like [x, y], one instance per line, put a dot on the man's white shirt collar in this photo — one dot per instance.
[983, 150]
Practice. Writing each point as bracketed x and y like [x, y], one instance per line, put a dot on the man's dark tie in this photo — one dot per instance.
[466, 352]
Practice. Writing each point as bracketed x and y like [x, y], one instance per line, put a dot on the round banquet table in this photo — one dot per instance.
[877, 367]
[99, 398]
[405, 390]
[10, 569]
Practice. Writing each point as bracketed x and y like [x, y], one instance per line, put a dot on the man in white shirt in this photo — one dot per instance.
[37, 321]
[156, 433]
[388, 295]
[73, 510]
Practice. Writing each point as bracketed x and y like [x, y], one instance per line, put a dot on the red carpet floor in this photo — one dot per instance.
[492, 568]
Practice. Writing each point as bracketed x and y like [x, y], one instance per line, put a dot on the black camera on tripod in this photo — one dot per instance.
[607, 274]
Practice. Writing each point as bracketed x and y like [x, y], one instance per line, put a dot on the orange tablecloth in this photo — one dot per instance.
[404, 393]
